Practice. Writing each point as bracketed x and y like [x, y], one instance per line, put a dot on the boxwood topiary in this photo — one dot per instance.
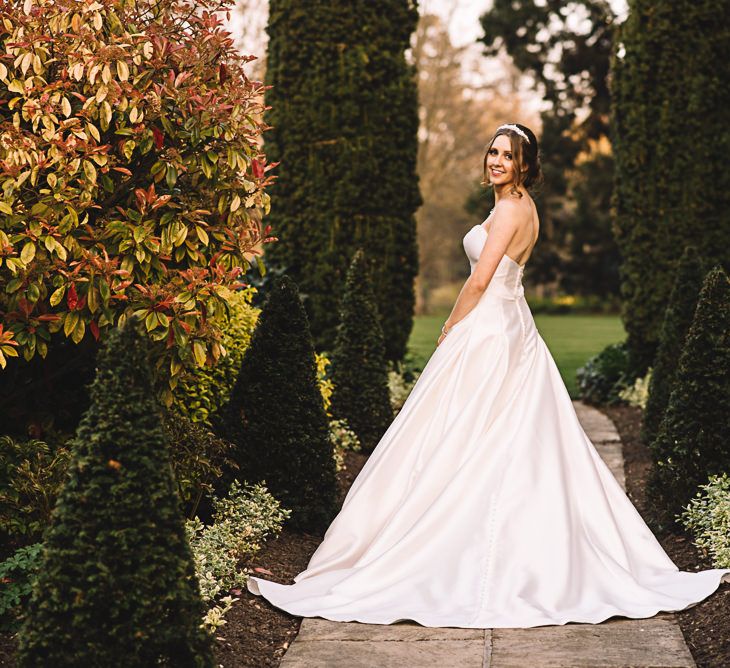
[119, 585]
[359, 370]
[692, 442]
[677, 319]
[275, 416]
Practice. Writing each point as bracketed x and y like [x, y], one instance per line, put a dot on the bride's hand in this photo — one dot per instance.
[441, 338]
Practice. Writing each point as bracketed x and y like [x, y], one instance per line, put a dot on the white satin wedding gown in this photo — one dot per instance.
[485, 505]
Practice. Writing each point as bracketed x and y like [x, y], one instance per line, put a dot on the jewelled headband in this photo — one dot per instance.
[514, 128]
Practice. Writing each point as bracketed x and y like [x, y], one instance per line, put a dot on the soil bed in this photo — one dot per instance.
[258, 634]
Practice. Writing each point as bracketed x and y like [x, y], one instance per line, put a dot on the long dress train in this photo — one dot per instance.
[485, 505]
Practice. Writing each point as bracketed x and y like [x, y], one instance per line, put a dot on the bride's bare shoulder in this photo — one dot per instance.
[515, 207]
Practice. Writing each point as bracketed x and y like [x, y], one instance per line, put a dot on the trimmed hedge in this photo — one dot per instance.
[119, 585]
[669, 93]
[344, 117]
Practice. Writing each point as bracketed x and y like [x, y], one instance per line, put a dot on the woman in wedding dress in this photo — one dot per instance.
[485, 505]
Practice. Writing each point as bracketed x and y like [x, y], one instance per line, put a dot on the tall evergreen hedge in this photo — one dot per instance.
[275, 416]
[692, 442]
[118, 584]
[677, 320]
[344, 113]
[359, 369]
[671, 112]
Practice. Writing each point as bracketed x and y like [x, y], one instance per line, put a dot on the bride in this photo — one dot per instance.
[485, 505]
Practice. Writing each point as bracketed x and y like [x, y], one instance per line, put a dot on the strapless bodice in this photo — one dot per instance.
[507, 279]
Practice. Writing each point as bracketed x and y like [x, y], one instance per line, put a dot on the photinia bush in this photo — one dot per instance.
[131, 175]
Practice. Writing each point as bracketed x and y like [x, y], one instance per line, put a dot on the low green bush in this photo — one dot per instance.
[707, 516]
[205, 389]
[31, 476]
[637, 394]
[17, 574]
[241, 523]
[342, 438]
[603, 376]
[275, 415]
[198, 458]
[677, 319]
[118, 576]
[399, 389]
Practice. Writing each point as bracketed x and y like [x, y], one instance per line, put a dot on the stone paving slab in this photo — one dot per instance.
[316, 628]
[375, 653]
[656, 642]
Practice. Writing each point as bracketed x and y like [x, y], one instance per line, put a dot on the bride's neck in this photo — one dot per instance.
[505, 191]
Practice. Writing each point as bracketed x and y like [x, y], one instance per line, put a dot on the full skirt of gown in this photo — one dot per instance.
[484, 504]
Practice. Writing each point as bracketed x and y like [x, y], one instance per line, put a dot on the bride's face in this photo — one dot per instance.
[500, 165]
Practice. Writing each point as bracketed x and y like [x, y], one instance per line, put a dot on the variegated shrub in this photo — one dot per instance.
[131, 175]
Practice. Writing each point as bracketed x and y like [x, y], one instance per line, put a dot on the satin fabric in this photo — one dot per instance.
[485, 505]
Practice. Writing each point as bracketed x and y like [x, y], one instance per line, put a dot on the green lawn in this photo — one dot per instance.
[572, 339]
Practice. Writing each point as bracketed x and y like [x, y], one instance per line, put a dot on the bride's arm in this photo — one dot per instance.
[505, 223]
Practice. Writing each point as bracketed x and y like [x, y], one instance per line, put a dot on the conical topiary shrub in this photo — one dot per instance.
[692, 442]
[117, 584]
[359, 369]
[275, 416]
[677, 319]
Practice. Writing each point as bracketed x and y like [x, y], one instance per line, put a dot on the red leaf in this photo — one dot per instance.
[159, 137]
[71, 297]
[122, 170]
[94, 329]
[25, 306]
[258, 169]
[262, 570]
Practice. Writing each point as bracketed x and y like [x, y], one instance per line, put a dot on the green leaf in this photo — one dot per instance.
[171, 176]
[104, 291]
[90, 171]
[79, 331]
[199, 352]
[28, 252]
[202, 235]
[69, 324]
[57, 295]
[33, 293]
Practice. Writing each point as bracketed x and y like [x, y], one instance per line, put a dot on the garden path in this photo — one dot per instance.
[617, 642]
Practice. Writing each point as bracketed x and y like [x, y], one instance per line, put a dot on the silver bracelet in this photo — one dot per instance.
[443, 331]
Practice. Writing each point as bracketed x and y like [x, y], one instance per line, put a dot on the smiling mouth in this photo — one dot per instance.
[497, 171]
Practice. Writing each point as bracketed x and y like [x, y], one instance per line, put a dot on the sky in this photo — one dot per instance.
[464, 29]
[465, 25]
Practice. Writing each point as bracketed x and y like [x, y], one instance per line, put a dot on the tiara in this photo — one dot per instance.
[514, 128]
